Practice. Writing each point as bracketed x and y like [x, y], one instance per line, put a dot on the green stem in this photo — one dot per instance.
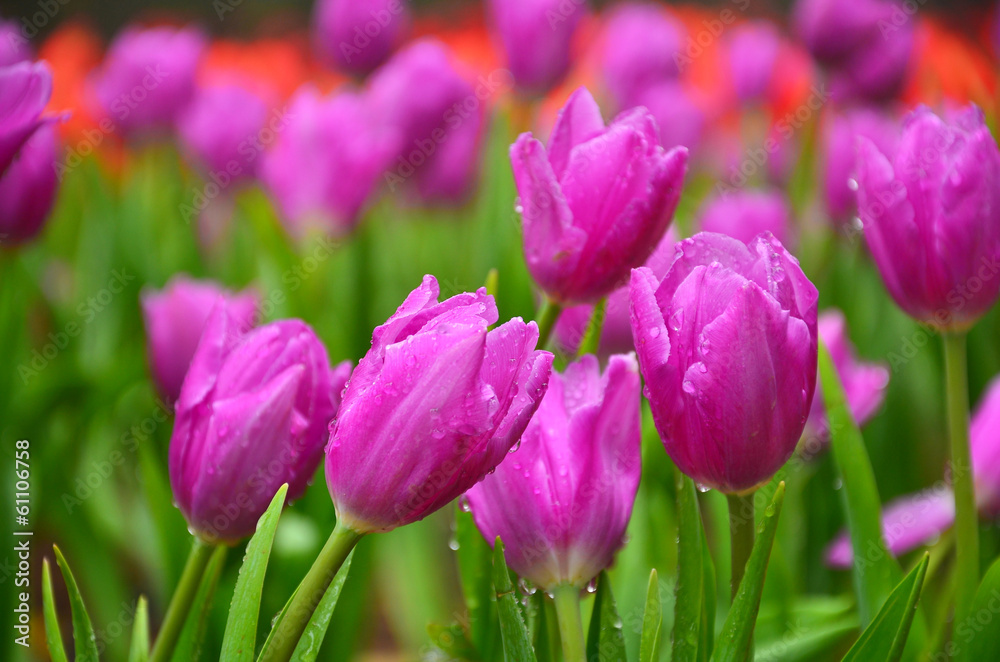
[307, 596]
[741, 530]
[546, 319]
[966, 519]
[567, 599]
[592, 337]
[180, 603]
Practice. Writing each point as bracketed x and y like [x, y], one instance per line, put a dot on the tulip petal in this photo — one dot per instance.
[578, 121]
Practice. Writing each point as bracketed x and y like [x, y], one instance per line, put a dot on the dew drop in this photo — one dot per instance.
[453, 544]
[702, 488]
[688, 387]
[592, 585]
[852, 184]
[677, 319]
[654, 332]
[464, 505]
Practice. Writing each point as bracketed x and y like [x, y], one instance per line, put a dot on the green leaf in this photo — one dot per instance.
[139, 648]
[475, 571]
[53, 637]
[192, 635]
[690, 589]
[592, 333]
[885, 638]
[605, 641]
[982, 642]
[736, 640]
[278, 619]
[652, 620]
[452, 640]
[545, 634]
[875, 569]
[312, 638]
[240, 639]
[706, 637]
[84, 641]
[809, 643]
[516, 644]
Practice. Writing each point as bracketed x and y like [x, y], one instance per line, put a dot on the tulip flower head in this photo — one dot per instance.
[745, 213]
[26, 88]
[753, 52]
[435, 404]
[931, 216]
[596, 201]
[642, 43]
[252, 415]
[840, 145]
[359, 35]
[175, 318]
[727, 343]
[14, 47]
[562, 501]
[28, 187]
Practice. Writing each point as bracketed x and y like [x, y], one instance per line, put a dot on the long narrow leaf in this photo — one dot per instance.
[84, 641]
[885, 638]
[53, 637]
[475, 571]
[516, 643]
[312, 638]
[188, 648]
[689, 590]
[240, 639]
[605, 641]
[139, 648]
[736, 640]
[652, 621]
[976, 641]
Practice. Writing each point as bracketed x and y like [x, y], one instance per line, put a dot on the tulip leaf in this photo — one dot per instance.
[605, 640]
[475, 571]
[516, 643]
[240, 639]
[53, 637]
[652, 621]
[312, 637]
[736, 639]
[690, 590]
[875, 569]
[808, 643]
[452, 640]
[277, 620]
[592, 334]
[188, 646]
[545, 633]
[982, 642]
[706, 636]
[885, 637]
[139, 647]
[84, 642]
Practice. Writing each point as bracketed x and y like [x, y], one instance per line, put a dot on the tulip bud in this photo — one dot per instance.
[175, 318]
[435, 404]
[753, 53]
[26, 89]
[251, 416]
[727, 346]
[597, 201]
[840, 146]
[744, 214]
[326, 161]
[28, 187]
[643, 44]
[359, 35]
[148, 77]
[429, 102]
[536, 36]
[931, 215]
[562, 501]
[916, 519]
[14, 47]
[220, 129]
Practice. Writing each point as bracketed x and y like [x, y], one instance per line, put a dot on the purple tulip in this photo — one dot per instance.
[753, 52]
[597, 201]
[839, 138]
[326, 161]
[864, 383]
[438, 115]
[727, 346]
[25, 89]
[914, 520]
[562, 501]
[359, 35]
[866, 44]
[931, 215]
[28, 187]
[14, 47]
[745, 213]
[252, 415]
[536, 36]
[175, 318]
[642, 44]
[148, 77]
[616, 332]
[680, 119]
[221, 128]
[435, 404]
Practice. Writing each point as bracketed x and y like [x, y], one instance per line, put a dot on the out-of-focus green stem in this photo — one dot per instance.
[592, 336]
[741, 531]
[309, 593]
[567, 599]
[180, 603]
[546, 319]
[966, 519]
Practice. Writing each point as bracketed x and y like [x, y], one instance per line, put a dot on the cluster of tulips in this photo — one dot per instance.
[535, 427]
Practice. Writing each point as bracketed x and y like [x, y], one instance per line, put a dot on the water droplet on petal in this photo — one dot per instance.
[592, 585]
[688, 387]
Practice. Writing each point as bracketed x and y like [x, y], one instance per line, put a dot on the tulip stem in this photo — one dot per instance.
[308, 595]
[966, 519]
[567, 599]
[741, 531]
[546, 319]
[592, 336]
[180, 603]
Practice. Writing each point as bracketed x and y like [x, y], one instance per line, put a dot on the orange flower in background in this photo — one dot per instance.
[949, 67]
[72, 52]
[268, 66]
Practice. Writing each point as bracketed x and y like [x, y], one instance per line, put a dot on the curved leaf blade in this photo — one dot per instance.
[652, 621]
[84, 641]
[605, 640]
[139, 648]
[53, 637]
[516, 643]
[311, 641]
